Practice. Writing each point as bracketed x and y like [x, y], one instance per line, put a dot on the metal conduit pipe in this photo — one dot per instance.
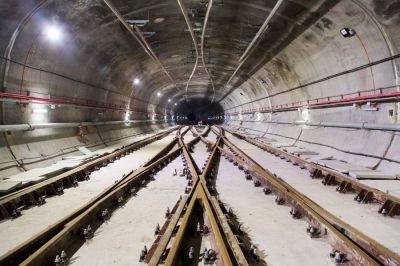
[210, 3]
[139, 38]
[260, 32]
[194, 44]
[26, 127]
[154, 55]
[252, 45]
[361, 125]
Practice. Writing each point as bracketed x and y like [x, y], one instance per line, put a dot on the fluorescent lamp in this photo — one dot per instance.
[53, 33]
[40, 110]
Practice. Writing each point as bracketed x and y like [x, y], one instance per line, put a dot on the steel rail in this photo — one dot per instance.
[209, 173]
[25, 249]
[70, 238]
[365, 193]
[29, 196]
[160, 245]
[198, 194]
[364, 250]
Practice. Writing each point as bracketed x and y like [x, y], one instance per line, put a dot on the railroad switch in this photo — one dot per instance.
[267, 190]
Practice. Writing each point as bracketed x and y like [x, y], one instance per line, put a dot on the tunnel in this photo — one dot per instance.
[81, 80]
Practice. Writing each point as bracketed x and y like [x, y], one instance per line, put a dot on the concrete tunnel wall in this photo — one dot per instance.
[320, 52]
[103, 74]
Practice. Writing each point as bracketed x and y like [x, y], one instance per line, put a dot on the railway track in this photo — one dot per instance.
[360, 249]
[201, 204]
[390, 205]
[25, 249]
[35, 195]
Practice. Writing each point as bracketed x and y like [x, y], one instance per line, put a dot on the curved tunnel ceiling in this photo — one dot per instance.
[97, 58]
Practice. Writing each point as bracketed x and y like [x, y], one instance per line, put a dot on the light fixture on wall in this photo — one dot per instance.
[136, 81]
[126, 118]
[347, 32]
[169, 100]
[158, 94]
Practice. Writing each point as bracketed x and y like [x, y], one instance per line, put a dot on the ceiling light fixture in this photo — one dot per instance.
[169, 100]
[159, 20]
[52, 32]
[158, 94]
[347, 32]
[136, 81]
